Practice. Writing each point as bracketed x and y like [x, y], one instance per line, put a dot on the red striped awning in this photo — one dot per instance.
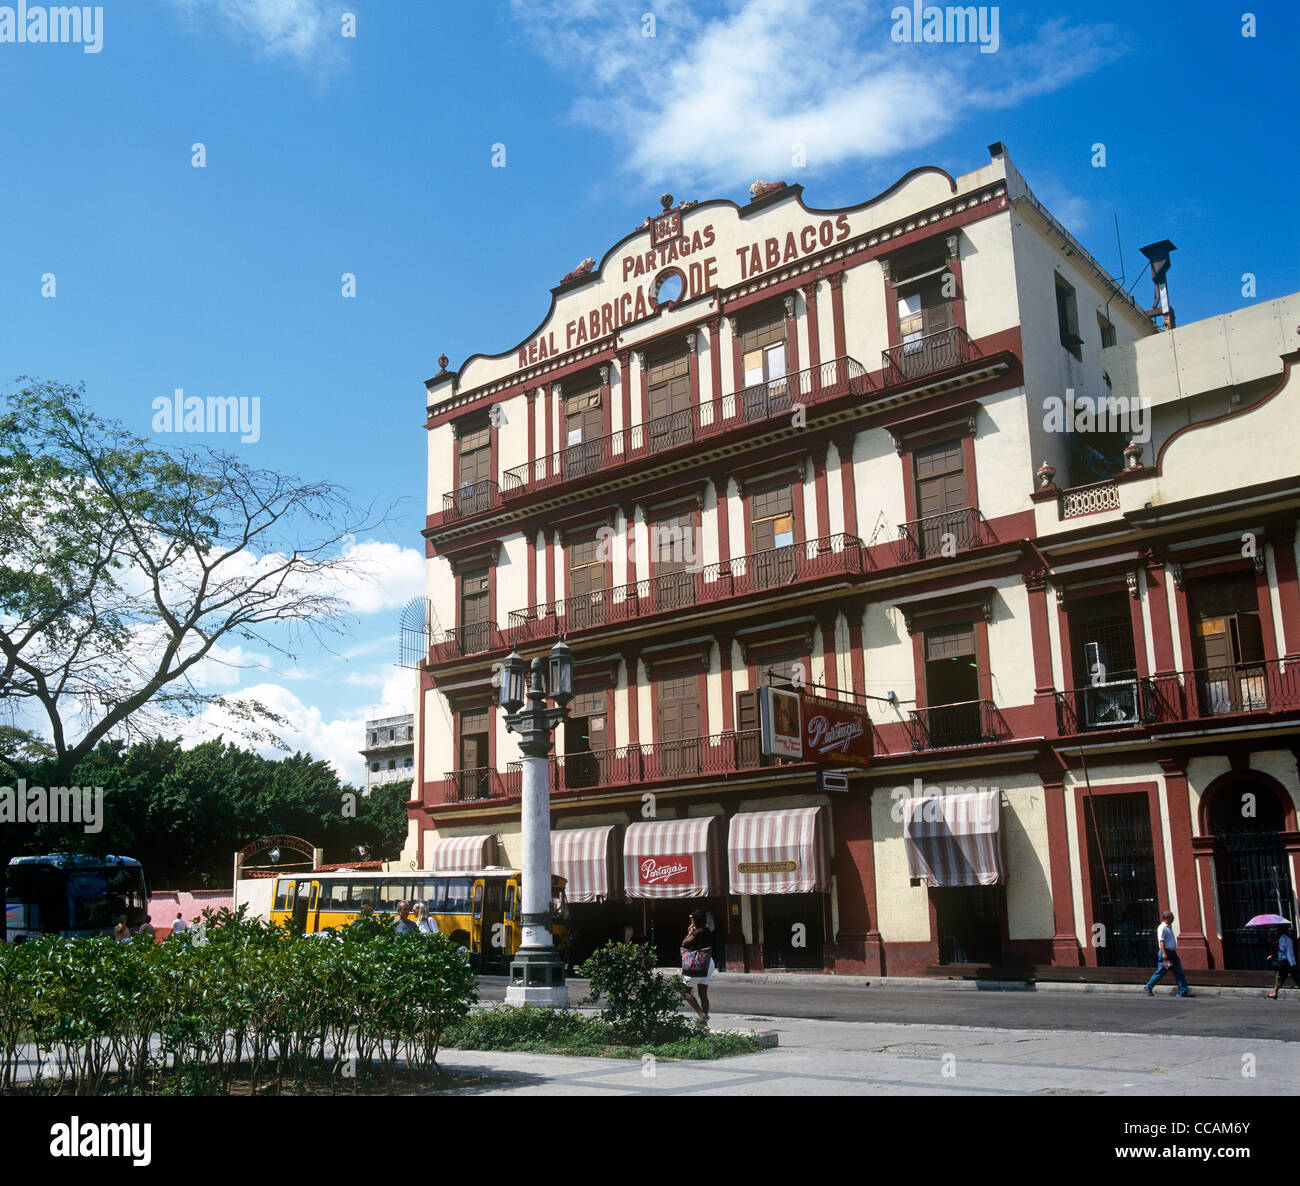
[955, 840]
[584, 857]
[463, 852]
[676, 858]
[779, 852]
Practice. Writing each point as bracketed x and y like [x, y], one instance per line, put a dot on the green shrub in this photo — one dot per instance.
[640, 1005]
[528, 1028]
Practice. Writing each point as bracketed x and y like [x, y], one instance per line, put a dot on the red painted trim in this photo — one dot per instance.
[645, 387]
[918, 667]
[792, 337]
[530, 535]
[859, 665]
[721, 484]
[1268, 628]
[1068, 679]
[821, 490]
[1180, 841]
[830, 657]
[725, 646]
[1040, 638]
[1161, 635]
[968, 464]
[715, 356]
[550, 419]
[814, 336]
[530, 398]
[848, 483]
[1184, 626]
[551, 543]
[1288, 588]
[606, 412]
[693, 374]
[1233, 779]
[984, 667]
[1065, 943]
[836, 281]
[1138, 627]
[737, 361]
[1083, 825]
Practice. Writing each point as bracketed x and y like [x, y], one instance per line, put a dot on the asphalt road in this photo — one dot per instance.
[1129, 1013]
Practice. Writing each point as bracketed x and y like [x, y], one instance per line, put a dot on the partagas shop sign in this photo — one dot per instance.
[798, 725]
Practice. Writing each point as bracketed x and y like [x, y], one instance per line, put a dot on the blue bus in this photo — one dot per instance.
[73, 895]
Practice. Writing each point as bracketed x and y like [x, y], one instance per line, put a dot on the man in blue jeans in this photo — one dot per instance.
[1168, 958]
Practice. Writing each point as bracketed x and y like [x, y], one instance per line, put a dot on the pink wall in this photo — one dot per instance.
[163, 905]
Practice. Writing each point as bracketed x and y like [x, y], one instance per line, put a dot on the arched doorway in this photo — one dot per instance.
[1252, 867]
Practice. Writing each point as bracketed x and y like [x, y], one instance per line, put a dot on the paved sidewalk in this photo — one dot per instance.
[815, 979]
[868, 1058]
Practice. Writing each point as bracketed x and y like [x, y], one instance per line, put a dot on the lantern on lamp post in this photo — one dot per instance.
[536, 969]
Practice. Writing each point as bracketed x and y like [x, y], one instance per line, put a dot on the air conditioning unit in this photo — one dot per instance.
[1107, 704]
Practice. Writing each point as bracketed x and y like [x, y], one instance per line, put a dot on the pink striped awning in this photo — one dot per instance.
[954, 840]
[463, 852]
[779, 852]
[675, 858]
[584, 857]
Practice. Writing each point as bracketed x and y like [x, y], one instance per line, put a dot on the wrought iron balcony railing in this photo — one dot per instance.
[472, 498]
[1116, 704]
[942, 535]
[970, 722]
[927, 354]
[742, 576]
[481, 782]
[763, 401]
[474, 639]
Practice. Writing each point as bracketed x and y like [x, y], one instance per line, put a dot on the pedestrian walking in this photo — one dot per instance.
[697, 963]
[1168, 959]
[425, 923]
[405, 923]
[1284, 962]
[180, 926]
[146, 928]
[122, 932]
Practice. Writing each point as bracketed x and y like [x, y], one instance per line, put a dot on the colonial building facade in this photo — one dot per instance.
[924, 455]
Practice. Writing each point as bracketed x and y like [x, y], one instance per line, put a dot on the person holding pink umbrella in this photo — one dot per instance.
[1284, 962]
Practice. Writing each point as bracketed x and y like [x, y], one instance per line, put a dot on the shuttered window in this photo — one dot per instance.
[475, 448]
[679, 707]
[940, 479]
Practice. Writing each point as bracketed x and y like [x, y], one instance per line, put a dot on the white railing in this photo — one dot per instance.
[1084, 500]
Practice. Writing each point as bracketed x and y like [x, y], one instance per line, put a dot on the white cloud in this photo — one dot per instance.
[336, 740]
[718, 101]
[306, 32]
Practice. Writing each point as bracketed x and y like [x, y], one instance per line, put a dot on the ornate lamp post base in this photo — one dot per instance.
[537, 978]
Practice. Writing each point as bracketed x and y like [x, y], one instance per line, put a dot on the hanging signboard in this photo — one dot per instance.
[808, 728]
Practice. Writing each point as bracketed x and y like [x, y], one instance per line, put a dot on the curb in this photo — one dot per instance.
[815, 980]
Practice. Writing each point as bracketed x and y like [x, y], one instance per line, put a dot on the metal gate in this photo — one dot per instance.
[1252, 871]
[1124, 893]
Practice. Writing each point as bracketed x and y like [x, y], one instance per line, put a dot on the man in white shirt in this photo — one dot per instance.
[1168, 957]
[180, 926]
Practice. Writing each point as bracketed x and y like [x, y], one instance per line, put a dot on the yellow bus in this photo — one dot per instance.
[477, 908]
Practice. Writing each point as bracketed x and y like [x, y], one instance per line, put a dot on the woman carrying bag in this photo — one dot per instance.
[697, 962]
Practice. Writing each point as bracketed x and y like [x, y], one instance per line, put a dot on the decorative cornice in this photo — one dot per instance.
[1176, 571]
[751, 646]
[914, 613]
[604, 376]
[488, 553]
[788, 301]
[953, 241]
[1132, 578]
[691, 343]
[1035, 580]
[695, 652]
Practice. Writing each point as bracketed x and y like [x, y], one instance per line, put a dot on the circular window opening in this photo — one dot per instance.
[668, 288]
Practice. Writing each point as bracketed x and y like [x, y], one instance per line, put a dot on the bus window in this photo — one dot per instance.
[88, 898]
[281, 895]
[457, 895]
[364, 893]
[334, 895]
[391, 893]
[435, 893]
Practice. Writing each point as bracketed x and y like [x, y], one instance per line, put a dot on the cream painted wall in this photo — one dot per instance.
[902, 909]
[1002, 453]
[988, 276]
[1011, 659]
[1029, 881]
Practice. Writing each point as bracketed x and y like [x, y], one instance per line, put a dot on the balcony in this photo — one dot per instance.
[1086, 500]
[752, 574]
[473, 498]
[1266, 686]
[1116, 704]
[475, 639]
[753, 405]
[970, 722]
[479, 783]
[942, 535]
[928, 354]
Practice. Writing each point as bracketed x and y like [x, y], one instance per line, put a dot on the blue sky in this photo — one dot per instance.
[372, 155]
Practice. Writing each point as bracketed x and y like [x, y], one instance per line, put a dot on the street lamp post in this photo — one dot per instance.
[537, 969]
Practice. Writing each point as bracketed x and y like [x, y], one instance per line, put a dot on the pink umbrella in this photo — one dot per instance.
[1269, 920]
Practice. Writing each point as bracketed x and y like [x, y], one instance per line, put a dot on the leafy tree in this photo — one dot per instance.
[124, 565]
